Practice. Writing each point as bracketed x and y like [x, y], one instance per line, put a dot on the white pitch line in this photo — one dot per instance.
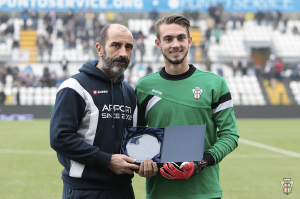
[264, 156]
[270, 148]
[27, 152]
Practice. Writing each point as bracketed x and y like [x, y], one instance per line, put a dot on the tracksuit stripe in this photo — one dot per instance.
[88, 127]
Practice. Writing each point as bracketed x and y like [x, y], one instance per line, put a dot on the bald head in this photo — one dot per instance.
[106, 30]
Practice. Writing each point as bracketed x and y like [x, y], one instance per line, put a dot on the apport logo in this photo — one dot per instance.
[95, 92]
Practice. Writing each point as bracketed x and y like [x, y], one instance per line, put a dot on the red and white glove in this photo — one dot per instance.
[184, 171]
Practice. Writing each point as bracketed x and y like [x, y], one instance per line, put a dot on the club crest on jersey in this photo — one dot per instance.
[95, 92]
[197, 92]
[287, 184]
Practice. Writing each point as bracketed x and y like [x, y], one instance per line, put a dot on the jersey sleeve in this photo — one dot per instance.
[224, 118]
[66, 118]
[141, 120]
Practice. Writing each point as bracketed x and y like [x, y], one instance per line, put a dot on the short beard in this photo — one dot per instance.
[175, 61]
[108, 65]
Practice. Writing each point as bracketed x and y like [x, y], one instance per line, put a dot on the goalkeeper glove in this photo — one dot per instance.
[184, 171]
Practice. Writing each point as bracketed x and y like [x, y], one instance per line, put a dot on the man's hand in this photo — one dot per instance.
[147, 169]
[122, 164]
[185, 171]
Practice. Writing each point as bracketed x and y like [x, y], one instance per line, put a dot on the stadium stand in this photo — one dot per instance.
[295, 87]
[236, 41]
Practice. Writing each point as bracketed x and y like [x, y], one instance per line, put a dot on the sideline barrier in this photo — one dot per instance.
[24, 113]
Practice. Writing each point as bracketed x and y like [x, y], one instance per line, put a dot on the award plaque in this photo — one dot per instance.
[161, 145]
[143, 147]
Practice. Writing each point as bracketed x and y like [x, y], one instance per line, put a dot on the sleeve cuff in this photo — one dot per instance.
[103, 159]
[209, 159]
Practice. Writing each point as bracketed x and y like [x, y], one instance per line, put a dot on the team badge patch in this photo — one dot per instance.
[197, 92]
[287, 184]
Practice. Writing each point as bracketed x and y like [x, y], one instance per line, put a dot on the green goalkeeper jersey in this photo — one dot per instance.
[193, 98]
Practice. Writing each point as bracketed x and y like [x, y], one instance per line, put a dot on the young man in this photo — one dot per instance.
[91, 111]
[181, 95]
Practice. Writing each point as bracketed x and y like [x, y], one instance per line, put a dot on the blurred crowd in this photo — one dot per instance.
[26, 77]
[85, 26]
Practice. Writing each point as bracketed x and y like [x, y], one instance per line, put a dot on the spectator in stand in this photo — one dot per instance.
[276, 18]
[208, 33]
[217, 17]
[242, 19]
[30, 79]
[3, 17]
[149, 69]
[244, 65]
[156, 54]
[89, 19]
[16, 43]
[220, 7]
[153, 15]
[82, 18]
[140, 35]
[84, 36]
[46, 76]
[49, 28]
[10, 29]
[97, 30]
[102, 19]
[225, 17]
[52, 79]
[2, 75]
[2, 97]
[267, 70]
[135, 35]
[296, 73]
[272, 58]
[77, 22]
[2, 38]
[66, 41]
[41, 44]
[134, 48]
[25, 16]
[195, 16]
[46, 18]
[285, 21]
[272, 81]
[204, 48]
[187, 13]
[15, 72]
[152, 29]
[69, 16]
[259, 16]
[64, 63]
[49, 47]
[86, 48]
[211, 10]
[141, 48]
[193, 52]
[34, 17]
[278, 69]
[234, 65]
[234, 19]
[218, 33]
[52, 16]
[268, 17]
[59, 33]
[269, 73]
[258, 70]
[72, 43]
[295, 30]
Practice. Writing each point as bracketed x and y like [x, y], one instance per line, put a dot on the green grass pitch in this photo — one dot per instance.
[29, 168]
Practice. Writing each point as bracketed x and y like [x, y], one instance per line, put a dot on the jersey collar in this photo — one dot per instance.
[182, 76]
